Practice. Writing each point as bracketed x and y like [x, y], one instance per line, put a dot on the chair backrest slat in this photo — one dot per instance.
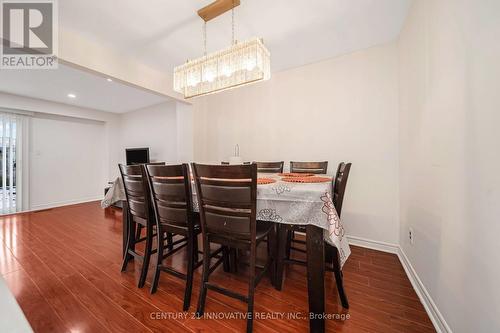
[339, 185]
[171, 194]
[227, 163]
[227, 199]
[309, 167]
[270, 167]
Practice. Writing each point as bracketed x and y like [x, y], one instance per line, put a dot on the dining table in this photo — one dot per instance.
[285, 202]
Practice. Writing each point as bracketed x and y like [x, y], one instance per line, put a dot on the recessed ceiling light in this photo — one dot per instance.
[71, 95]
[109, 79]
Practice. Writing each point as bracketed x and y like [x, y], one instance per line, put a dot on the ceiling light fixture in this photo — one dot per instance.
[71, 95]
[240, 64]
[109, 79]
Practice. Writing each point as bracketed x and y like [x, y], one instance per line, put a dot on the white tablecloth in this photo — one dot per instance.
[283, 202]
[115, 194]
[300, 204]
[303, 204]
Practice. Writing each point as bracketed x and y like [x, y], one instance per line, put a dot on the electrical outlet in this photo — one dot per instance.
[411, 236]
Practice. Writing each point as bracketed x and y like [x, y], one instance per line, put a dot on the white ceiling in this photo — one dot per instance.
[164, 33]
[91, 90]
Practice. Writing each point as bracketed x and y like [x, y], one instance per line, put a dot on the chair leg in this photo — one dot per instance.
[138, 233]
[204, 279]
[251, 288]
[170, 240]
[195, 248]
[225, 255]
[159, 260]
[289, 236]
[130, 242]
[126, 227]
[233, 260]
[329, 253]
[339, 278]
[147, 256]
[189, 276]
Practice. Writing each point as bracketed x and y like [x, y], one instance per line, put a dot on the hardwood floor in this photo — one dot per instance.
[63, 266]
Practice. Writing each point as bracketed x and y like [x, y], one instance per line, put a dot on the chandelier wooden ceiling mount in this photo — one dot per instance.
[217, 8]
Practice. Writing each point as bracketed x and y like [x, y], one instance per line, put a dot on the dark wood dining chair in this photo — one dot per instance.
[270, 167]
[139, 211]
[173, 210]
[309, 167]
[304, 167]
[227, 198]
[339, 184]
[332, 253]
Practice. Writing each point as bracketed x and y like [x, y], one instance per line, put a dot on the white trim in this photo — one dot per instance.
[16, 111]
[65, 203]
[59, 204]
[373, 244]
[430, 306]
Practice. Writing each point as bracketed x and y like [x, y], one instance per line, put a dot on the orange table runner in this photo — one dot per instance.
[306, 179]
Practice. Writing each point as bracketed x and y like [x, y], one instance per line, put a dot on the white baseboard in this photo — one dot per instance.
[63, 203]
[374, 245]
[430, 306]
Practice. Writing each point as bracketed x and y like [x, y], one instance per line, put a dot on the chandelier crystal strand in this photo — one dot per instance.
[240, 64]
[233, 41]
[205, 38]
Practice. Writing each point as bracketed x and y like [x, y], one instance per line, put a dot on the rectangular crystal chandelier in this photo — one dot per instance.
[242, 63]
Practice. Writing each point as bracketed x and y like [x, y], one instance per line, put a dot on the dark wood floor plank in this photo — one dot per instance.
[106, 284]
[89, 296]
[39, 313]
[180, 285]
[7, 261]
[79, 247]
[65, 304]
[121, 296]
[113, 316]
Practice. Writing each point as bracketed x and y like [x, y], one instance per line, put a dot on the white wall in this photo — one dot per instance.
[153, 127]
[449, 144]
[185, 146]
[68, 153]
[79, 50]
[165, 128]
[88, 145]
[67, 162]
[343, 109]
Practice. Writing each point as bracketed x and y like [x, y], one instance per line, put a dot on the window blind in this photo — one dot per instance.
[8, 181]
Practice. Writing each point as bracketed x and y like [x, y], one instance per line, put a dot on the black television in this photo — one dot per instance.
[137, 155]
